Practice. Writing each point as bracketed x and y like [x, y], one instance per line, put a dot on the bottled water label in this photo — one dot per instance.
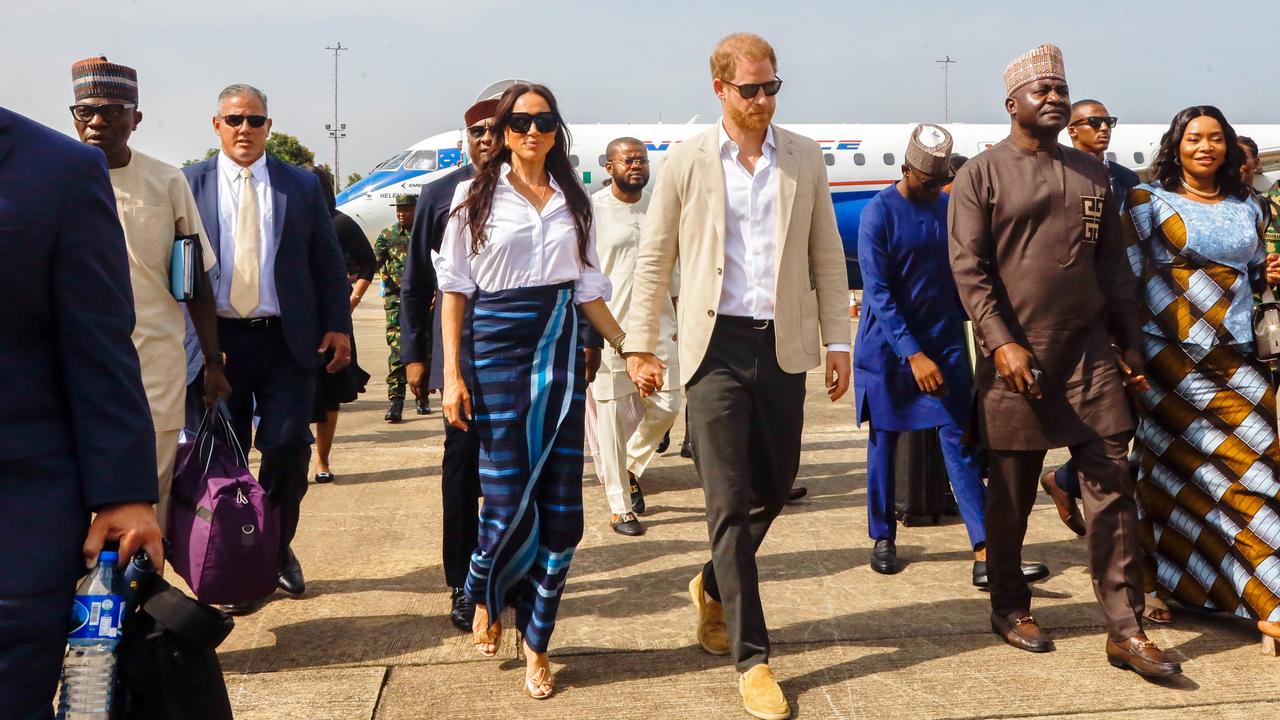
[96, 617]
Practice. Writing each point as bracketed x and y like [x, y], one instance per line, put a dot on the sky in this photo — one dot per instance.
[414, 67]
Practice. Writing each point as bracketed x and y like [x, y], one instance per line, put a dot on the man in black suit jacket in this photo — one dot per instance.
[75, 430]
[460, 471]
[281, 288]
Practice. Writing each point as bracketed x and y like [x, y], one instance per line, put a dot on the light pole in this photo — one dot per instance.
[946, 87]
[337, 130]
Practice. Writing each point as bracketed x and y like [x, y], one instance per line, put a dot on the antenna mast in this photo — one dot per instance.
[946, 87]
[337, 130]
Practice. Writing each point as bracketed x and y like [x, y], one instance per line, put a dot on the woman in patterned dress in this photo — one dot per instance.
[1206, 447]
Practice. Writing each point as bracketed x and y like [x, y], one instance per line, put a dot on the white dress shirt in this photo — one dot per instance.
[228, 208]
[751, 230]
[523, 247]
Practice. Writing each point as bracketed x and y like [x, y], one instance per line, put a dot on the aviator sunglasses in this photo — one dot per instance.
[545, 121]
[479, 131]
[1097, 122]
[748, 90]
[255, 121]
[931, 184]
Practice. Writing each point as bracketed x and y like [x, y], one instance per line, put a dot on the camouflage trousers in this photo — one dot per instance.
[395, 368]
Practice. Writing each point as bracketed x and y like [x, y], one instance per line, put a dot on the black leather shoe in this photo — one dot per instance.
[463, 612]
[395, 412]
[686, 449]
[424, 405]
[1031, 572]
[290, 579]
[637, 495]
[626, 524]
[884, 557]
[1022, 632]
[244, 608]
[797, 493]
[666, 443]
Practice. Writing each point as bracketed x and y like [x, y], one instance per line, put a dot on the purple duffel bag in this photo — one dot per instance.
[224, 532]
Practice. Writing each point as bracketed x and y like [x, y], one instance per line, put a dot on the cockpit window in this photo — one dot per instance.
[394, 162]
[421, 160]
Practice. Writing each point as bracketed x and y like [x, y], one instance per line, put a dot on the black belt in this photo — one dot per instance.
[753, 323]
[258, 323]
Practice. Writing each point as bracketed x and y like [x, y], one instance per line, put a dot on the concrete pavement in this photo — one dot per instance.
[371, 637]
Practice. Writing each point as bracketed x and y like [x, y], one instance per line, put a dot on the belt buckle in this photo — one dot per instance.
[259, 322]
[760, 325]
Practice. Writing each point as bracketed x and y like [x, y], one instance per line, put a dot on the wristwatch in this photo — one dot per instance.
[219, 359]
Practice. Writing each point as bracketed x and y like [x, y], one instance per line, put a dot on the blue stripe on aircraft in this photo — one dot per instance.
[377, 181]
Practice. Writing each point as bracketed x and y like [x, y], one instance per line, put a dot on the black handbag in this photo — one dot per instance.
[1266, 327]
[166, 662]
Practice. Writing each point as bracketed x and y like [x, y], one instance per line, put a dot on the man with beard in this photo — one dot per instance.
[629, 427]
[1041, 269]
[155, 205]
[746, 210]
[420, 347]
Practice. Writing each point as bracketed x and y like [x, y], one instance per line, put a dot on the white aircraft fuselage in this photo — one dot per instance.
[861, 161]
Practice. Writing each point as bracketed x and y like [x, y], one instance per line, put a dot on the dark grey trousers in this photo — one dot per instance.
[745, 416]
[1111, 519]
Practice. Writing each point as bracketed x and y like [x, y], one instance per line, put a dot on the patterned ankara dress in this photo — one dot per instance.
[1206, 445]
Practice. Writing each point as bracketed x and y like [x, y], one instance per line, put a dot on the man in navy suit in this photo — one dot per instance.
[281, 288]
[75, 431]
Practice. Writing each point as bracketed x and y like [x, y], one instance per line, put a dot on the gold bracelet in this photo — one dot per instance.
[616, 342]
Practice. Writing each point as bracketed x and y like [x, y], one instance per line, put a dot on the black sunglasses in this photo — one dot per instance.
[931, 183]
[479, 131]
[255, 121]
[1097, 122]
[748, 90]
[545, 121]
[110, 113]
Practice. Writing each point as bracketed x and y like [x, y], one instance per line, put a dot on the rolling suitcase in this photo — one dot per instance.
[920, 478]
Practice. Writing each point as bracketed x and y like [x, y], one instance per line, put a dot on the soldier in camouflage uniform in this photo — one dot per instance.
[390, 253]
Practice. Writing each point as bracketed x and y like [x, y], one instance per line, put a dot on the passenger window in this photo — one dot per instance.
[603, 160]
[829, 159]
[1111, 156]
[888, 159]
[859, 159]
[1138, 158]
[573, 160]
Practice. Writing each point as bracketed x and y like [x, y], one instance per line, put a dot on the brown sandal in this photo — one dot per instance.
[1156, 604]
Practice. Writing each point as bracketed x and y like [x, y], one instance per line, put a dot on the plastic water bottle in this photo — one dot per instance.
[88, 671]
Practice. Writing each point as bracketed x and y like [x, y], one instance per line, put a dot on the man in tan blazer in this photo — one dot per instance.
[746, 209]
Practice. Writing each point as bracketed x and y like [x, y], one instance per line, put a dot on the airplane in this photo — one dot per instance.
[862, 160]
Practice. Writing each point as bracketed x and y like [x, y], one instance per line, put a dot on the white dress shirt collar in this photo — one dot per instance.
[557, 195]
[728, 146]
[231, 168]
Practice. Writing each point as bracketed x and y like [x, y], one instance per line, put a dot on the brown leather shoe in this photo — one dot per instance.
[761, 695]
[1141, 656]
[1021, 632]
[1068, 510]
[713, 634]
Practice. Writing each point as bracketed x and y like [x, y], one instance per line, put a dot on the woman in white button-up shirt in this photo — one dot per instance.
[520, 245]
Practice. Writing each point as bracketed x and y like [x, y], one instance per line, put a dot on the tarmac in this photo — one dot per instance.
[371, 639]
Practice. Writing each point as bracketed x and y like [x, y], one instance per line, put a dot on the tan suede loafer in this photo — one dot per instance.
[761, 695]
[713, 634]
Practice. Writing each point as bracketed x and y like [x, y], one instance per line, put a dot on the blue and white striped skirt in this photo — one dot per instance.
[528, 392]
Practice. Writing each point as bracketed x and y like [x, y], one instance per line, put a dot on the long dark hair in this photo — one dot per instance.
[478, 205]
[326, 184]
[1167, 166]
